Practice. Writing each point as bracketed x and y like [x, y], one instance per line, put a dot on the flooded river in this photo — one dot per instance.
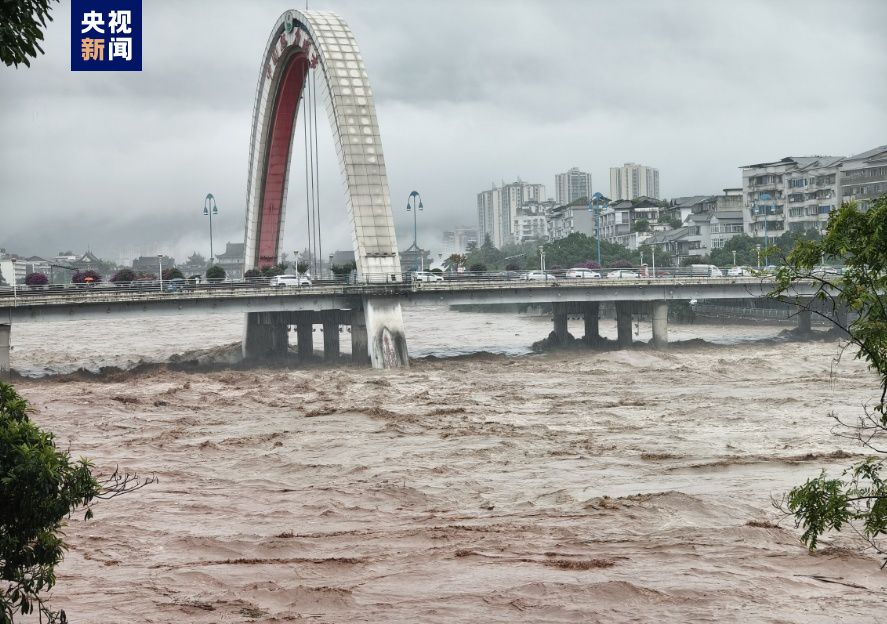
[625, 486]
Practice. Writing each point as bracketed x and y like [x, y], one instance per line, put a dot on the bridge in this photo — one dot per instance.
[302, 42]
[270, 311]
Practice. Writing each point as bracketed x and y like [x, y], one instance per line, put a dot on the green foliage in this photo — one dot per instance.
[173, 273]
[21, 29]
[859, 241]
[252, 274]
[641, 225]
[302, 266]
[478, 268]
[746, 252]
[40, 486]
[343, 270]
[123, 275]
[455, 261]
[215, 272]
[276, 269]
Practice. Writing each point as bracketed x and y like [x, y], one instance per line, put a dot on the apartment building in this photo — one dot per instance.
[863, 177]
[572, 185]
[619, 218]
[632, 180]
[498, 207]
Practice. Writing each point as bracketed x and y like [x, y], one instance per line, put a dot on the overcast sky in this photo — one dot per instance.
[468, 93]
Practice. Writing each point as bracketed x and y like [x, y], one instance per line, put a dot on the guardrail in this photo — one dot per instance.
[381, 284]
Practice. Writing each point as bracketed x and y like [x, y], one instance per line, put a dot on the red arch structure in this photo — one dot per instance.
[301, 42]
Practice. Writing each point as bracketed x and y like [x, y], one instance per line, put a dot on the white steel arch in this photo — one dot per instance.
[301, 41]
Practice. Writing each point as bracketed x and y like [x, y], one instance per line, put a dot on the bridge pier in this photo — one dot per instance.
[305, 336]
[330, 335]
[386, 342]
[623, 323]
[591, 314]
[5, 342]
[559, 316]
[359, 348]
[265, 336]
[805, 324]
[660, 323]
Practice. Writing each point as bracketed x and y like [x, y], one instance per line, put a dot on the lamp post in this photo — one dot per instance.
[596, 200]
[331, 265]
[767, 196]
[414, 204]
[653, 253]
[160, 275]
[734, 257]
[542, 262]
[758, 248]
[296, 261]
[210, 209]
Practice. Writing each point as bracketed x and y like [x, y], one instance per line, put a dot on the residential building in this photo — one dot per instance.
[864, 177]
[618, 220]
[794, 193]
[676, 242]
[497, 208]
[712, 219]
[458, 240]
[562, 221]
[232, 260]
[632, 180]
[572, 185]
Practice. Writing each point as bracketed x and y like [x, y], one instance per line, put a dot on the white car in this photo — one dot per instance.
[290, 280]
[427, 276]
[581, 272]
[539, 276]
[739, 271]
[622, 274]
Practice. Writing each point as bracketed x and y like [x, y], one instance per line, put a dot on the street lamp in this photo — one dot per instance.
[160, 264]
[766, 196]
[296, 261]
[597, 200]
[210, 209]
[542, 262]
[758, 248]
[734, 257]
[414, 204]
[331, 265]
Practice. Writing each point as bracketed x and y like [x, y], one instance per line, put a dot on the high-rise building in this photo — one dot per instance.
[572, 185]
[632, 180]
[498, 207]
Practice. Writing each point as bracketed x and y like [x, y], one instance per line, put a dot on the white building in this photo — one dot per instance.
[498, 207]
[633, 180]
[795, 193]
[457, 241]
[572, 185]
[864, 177]
[618, 220]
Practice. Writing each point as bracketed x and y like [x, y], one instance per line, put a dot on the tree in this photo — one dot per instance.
[252, 274]
[343, 270]
[858, 498]
[21, 28]
[478, 268]
[123, 276]
[86, 277]
[746, 249]
[215, 273]
[641, 225]
[620, 264]
[40, 486]
[173, 273]
[454, 262]
[302, 266]
[36, 279]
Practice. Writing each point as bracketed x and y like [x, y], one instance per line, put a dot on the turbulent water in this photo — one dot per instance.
[625, 486]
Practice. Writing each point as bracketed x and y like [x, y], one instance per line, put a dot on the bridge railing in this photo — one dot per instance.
[389, 282]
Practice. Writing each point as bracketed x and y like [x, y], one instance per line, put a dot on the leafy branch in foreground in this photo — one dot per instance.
[858, 498]
[22, 23]
[40, 486]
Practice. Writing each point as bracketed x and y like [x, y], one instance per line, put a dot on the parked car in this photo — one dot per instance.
[176, 284]
[538, 276]
[622, 274]
[583, 273]
[290, 280]
[705, 270]
[740, 271]
[427, 276]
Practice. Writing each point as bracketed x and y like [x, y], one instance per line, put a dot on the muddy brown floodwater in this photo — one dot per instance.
[628, 486]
